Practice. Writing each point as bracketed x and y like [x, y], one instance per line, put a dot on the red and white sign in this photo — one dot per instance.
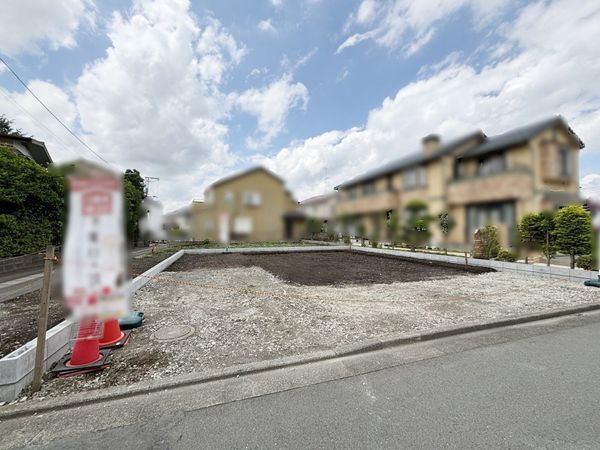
[94, 269]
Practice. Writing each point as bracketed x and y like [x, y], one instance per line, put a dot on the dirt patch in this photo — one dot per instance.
[18, 317]
[328, 268]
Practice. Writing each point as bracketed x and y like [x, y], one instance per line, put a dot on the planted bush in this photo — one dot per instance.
[586, 262]
[506, 255]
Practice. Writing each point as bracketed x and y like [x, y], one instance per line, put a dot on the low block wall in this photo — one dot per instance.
[538, 270]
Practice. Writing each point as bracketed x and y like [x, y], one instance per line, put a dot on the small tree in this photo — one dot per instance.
[490, 241]
[536, 233]
[313, 226]
[393, 226]
[446, 224]
[573, 232]
[416, 229]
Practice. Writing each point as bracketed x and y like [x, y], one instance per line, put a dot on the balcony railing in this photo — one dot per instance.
[489, 188]
[364, 204]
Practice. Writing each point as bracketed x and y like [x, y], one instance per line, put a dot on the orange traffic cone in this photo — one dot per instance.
[112, 333]
[87, 348]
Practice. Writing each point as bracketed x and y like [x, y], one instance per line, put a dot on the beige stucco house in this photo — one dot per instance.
[253, 205]
[478, 179]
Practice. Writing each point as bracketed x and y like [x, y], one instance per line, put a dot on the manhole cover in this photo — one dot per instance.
[173, 332]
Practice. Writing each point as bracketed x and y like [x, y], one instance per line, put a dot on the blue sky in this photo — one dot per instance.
[318, 90]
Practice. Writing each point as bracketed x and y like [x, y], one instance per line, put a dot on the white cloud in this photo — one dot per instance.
[542, 77]
[408, 24]
[271, 105]
[590, 186]
[292, 67]
[267, 26]
[276, 3]
[154, 102]
[30, 26]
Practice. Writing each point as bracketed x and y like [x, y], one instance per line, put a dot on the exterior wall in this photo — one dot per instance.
[266, 219]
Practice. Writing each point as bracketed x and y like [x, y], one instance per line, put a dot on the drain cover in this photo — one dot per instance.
[173, 332]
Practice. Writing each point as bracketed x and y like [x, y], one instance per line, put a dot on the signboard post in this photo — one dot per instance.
[43, 320]
[94, 276]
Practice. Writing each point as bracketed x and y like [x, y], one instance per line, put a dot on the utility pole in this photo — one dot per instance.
[49, 259]
[150, 180]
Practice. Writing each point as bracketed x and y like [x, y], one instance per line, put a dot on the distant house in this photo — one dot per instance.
[478, 179]
[321, 208]
[253, 205]
[178, 223]
[28, 147]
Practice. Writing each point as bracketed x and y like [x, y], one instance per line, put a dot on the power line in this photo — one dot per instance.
[14, 102]
[51, 113]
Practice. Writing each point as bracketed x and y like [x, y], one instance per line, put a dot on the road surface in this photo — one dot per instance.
[28, 280]
[529, 386]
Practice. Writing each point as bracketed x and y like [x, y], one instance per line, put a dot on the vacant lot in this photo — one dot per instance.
[246, 308]
[328, 268]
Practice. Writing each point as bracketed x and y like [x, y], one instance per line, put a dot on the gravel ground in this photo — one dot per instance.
[246, 314]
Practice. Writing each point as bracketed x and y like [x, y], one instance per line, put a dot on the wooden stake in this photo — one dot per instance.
[43, 320]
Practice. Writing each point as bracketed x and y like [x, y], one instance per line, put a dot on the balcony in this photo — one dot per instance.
[366, 204]
[490, 188]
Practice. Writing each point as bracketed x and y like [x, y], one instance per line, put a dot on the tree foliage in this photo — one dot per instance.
[536, 231]
[313, 226]
[416, 228]
[490, 241]
[573, 231]
[32, 204]
[6, 127]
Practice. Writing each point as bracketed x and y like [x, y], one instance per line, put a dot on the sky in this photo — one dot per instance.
[318, 91]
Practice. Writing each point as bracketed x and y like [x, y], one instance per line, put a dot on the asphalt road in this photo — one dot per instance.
[512, 388]
[28, 280]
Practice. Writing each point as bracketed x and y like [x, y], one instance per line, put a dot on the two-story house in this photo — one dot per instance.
[478, 179]
[249, 206]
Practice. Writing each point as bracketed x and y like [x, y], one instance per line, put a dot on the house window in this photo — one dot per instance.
[390, 182]
[252, 198]
[369, 188]
[480, 215]
[228, 197]
[242, 225]
[351, 193]
[415, 177]
[388, 215]
[492, 164]
[564, 162]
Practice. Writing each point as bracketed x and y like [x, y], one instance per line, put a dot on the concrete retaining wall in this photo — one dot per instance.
[538, 270]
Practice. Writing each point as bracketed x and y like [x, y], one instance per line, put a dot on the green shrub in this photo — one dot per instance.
[586, 262]
[374, 244]
[573, 231]
[346, 238]
[490, 241]
[506, 255]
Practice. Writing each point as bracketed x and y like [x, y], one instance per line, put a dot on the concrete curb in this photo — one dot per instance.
[119, 392]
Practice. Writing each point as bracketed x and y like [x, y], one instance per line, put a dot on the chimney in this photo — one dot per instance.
[431, 143]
